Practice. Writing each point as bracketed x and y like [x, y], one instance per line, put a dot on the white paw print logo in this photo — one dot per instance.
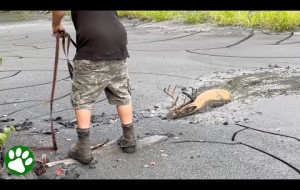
[19, 160]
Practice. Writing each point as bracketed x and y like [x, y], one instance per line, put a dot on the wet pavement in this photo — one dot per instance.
[256, 136]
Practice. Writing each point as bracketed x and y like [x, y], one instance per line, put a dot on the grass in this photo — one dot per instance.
[150, 15]
[188, 16]
[273, 20]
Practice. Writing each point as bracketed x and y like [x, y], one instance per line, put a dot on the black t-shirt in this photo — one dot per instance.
[99, 35]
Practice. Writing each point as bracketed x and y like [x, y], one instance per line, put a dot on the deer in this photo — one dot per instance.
[197, 103]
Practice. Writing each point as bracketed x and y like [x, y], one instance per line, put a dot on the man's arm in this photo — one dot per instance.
[56, 21]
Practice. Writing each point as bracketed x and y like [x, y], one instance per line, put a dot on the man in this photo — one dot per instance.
[99, 65]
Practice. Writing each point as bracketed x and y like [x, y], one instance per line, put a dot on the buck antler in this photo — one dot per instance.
[172, 95]
[192, 96]
[174, 110]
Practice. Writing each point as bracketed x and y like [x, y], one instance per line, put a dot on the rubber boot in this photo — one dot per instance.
[127, 140]
[81, 151]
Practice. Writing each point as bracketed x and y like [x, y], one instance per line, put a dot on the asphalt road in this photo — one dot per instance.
[163, 54]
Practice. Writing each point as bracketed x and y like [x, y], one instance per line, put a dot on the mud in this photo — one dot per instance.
[103, 119]
[6, 120]
[265, 83]
[26, 125]
[43, 131]
[110, 119]
[60, 172]
[68, 173]
[247, 86]
[64, 122]
[21, 126]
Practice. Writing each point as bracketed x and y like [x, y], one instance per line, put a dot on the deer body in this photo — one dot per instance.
[209, 98]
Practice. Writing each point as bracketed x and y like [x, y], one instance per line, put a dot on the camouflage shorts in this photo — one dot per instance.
[91, 78]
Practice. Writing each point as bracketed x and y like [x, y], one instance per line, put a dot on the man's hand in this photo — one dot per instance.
[56, 21]
[57, 28]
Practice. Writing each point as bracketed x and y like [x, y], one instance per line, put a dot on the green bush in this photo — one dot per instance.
[4, 133]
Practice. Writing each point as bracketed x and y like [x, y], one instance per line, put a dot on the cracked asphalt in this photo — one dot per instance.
[256, 136]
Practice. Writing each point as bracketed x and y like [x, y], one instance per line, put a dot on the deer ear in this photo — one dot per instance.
[191, 109]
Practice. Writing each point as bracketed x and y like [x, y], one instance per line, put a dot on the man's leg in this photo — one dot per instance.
[125, 113]
[127, 140]
[85, 90]
[81, 151]
[83, 118]
[118, 92]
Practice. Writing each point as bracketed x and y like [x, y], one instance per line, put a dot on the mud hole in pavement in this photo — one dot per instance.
[247, 86]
